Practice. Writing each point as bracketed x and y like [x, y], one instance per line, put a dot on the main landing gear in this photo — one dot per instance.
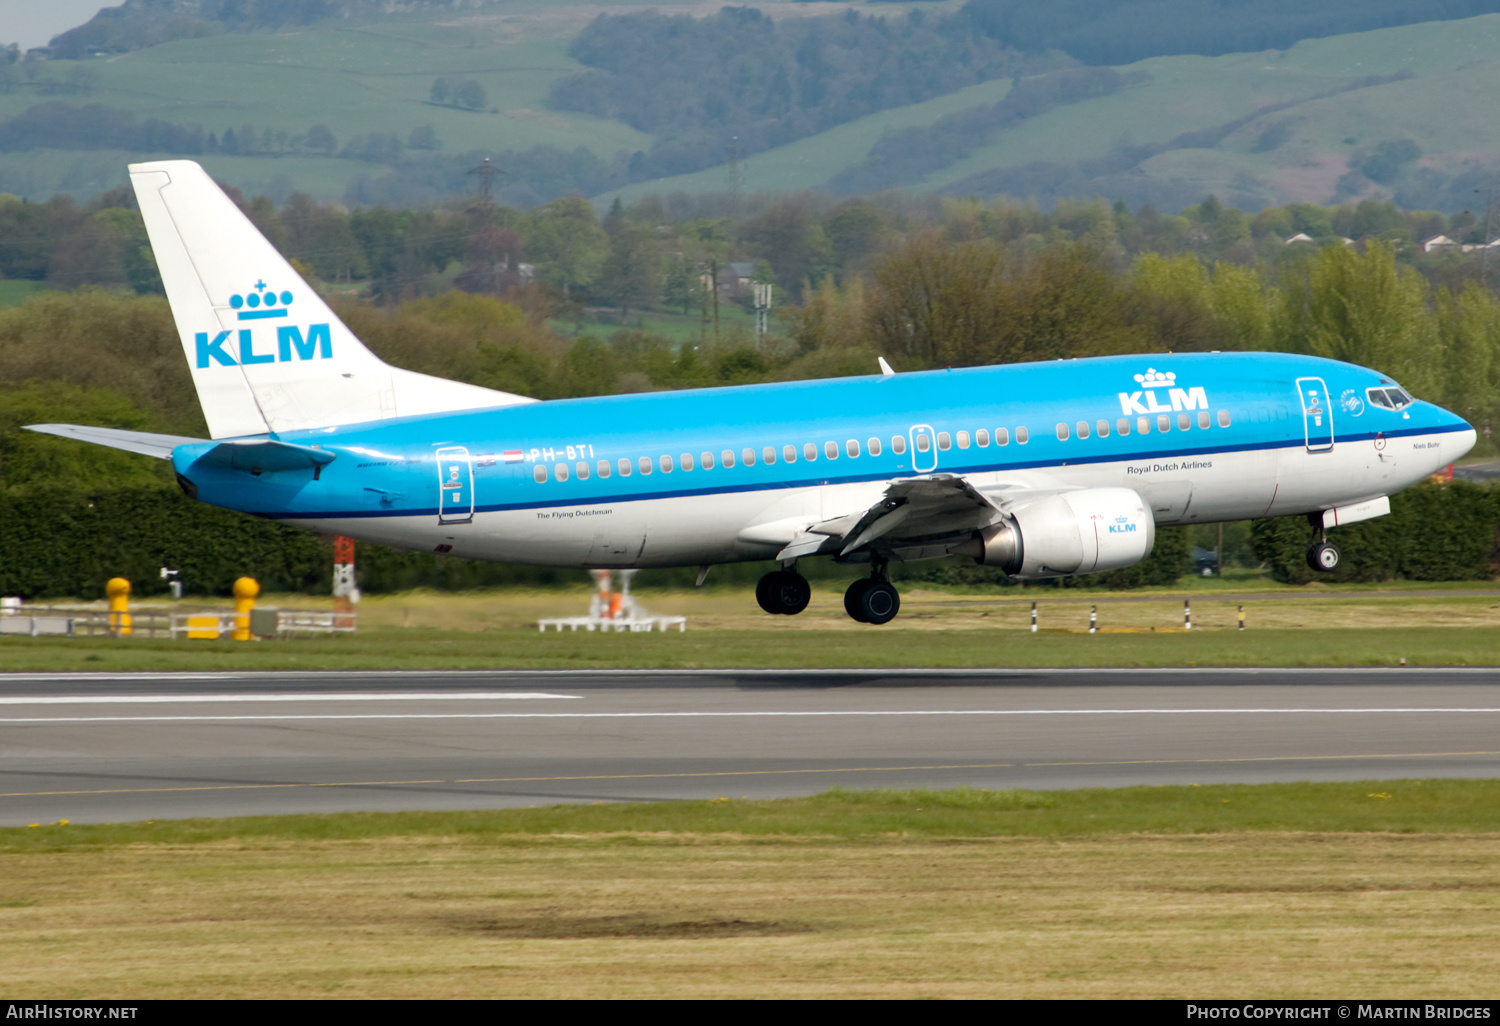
[1322, 554]
[869, 600]
[783, 592]
[872, 600]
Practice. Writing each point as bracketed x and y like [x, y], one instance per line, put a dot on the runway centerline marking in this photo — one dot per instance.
[742, 773]
[317, 696]
[737, 714]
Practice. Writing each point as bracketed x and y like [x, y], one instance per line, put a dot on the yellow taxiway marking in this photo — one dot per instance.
[741, 773]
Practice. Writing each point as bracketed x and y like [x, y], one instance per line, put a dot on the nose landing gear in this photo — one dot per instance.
[1322, 554]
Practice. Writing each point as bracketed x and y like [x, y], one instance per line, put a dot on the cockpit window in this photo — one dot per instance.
[1392, 398]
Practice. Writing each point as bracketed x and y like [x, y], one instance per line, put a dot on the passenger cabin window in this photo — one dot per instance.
[944, 441]
[898, 444]
[963, 439]
[789, 453]
[924, 443]
[1184, 422]
[1143, 425]
[707, 459]
[560, 471]
[1223, 418]
[727, 457]
[831, 450]
[809, 452]
[1062, 432]
[582, 470]
[748, 457]
[645, 464]
[768, 455]
[666, 464]
[540, 473]
[1164, 423]
[1122, 426]
[604, 468]
[873, 444]
[1022, 436]
[982, 438]
[1083, 429]
[1002, 436]
[624, 466]
[851, 449]
[1103, 427]
[687, 461]
[1203, 420]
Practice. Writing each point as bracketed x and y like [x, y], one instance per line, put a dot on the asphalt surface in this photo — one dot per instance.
[102, 747]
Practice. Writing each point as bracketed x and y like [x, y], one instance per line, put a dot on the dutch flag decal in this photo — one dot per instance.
[513, 455]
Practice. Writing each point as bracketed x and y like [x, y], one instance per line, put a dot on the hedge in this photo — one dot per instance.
[1435, 532]
[68, 543]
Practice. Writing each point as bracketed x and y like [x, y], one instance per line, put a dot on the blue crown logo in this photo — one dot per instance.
[262, 304]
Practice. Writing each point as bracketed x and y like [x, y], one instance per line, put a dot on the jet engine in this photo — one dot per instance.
[1079, 532]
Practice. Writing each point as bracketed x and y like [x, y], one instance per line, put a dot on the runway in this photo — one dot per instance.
[102, 747]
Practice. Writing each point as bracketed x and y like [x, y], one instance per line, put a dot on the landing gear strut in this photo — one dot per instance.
[872, 599]
[783, 592]
[1322, 554]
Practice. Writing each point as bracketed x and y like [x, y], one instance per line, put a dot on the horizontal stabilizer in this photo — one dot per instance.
[143, 442]
[260, 455]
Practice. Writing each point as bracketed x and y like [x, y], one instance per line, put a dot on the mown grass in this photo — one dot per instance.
[1382, 806]
[414, 649]
[1385, 889]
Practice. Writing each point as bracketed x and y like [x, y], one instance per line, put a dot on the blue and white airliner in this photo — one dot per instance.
[1042, 470]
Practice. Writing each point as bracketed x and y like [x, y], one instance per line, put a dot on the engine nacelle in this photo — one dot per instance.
[1082, 532]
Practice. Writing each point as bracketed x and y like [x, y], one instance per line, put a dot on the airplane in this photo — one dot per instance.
[1040, 469]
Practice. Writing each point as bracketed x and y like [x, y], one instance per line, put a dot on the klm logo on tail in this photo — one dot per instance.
[258, 306]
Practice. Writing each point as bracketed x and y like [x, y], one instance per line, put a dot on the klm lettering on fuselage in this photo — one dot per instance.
[290, 344]
[1145, 401]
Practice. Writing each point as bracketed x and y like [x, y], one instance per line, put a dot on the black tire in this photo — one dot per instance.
[783, 592]
[853, 597]
[879, 604]
[1323, 557]
[763, 592]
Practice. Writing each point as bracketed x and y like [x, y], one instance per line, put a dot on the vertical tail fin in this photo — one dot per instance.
[266, 353]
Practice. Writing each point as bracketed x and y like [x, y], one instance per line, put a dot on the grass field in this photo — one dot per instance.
[1384, 889]
[1316, 626]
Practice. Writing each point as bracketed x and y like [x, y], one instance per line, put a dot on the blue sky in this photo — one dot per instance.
[34, 22]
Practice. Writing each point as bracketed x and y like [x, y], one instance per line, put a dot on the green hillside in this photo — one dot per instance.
[1441, 107]
[354, 80]
[1303, 124]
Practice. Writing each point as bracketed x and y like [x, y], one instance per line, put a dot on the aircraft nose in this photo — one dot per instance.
[1458, 443]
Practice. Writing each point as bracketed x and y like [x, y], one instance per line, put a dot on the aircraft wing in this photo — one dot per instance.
[920, 517]
[143, 442]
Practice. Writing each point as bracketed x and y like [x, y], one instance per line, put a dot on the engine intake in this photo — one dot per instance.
[1082, 532]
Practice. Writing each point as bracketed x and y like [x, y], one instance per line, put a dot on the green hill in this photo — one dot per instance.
[1302, 124]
